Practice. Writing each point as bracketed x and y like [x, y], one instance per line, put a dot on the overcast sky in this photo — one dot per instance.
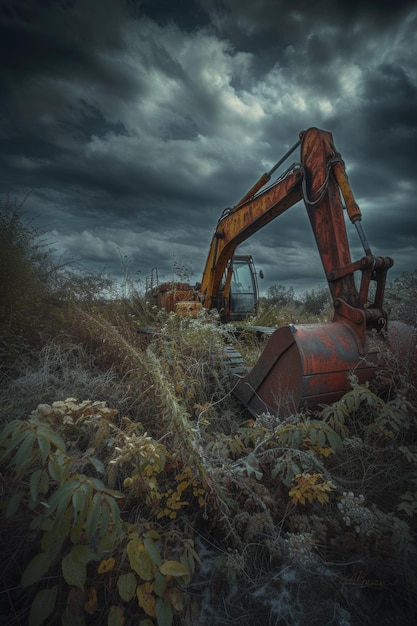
[132, 124]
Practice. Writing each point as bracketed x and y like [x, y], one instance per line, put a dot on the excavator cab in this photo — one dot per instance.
[241, 286]
[237, 298]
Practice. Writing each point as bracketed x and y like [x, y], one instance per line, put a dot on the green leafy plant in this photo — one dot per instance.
[408, 503]
[78, 519]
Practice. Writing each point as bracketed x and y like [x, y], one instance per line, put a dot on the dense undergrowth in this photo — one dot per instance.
[135, 489]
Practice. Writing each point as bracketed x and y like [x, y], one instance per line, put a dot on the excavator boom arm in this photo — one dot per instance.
[321, 181]
[243, 221]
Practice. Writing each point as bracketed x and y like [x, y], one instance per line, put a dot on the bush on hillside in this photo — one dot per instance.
[401, 297]
[26, 271]
[38, 291]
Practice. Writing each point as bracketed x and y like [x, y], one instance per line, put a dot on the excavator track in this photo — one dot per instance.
[232, 357]
[235, 361]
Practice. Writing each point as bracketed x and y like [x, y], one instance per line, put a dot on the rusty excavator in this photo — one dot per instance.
[303, 365]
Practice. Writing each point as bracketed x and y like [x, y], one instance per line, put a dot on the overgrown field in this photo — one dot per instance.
[136, 490]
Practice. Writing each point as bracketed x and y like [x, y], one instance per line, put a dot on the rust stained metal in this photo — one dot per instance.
[309, 365]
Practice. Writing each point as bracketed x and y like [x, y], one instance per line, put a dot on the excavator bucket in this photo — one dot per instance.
[309, 365]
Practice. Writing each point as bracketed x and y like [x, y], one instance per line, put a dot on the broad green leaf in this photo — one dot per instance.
[14, 503]
[106, 544]
[34, 483]
[104, 517]
[64, 492]
[98, 484]
[23, 454]
[83, 554]
[14, 443]
[313, 435]
[35, 569]
[53, 437]
[111, 492]
[189, 563]
[164, 612]
[126, 584]
[159, 584]
[92, 516]
[32, 459]
[63, 509]
[114, 508]
[44, 446]
[41, 523]
[87, 487]
[173, 568]
[295, 468]
[297, 438]
[276, 470]
[116, 616]
[334, 441]
[42, 606]
[74, 569]
[56, 534]
[153, 550]
[11, 429]
[80, 504]
[139, 559]
[71, 616]
[43, 486]
[97, 464]
[61, 499]
[55, 469]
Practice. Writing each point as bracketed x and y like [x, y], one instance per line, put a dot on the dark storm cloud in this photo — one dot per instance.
[134, 124]
[281, 17]
[44, 49]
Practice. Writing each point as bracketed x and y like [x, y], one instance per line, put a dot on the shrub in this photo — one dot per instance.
[91, 554]
[26, 271]
[401, 297]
